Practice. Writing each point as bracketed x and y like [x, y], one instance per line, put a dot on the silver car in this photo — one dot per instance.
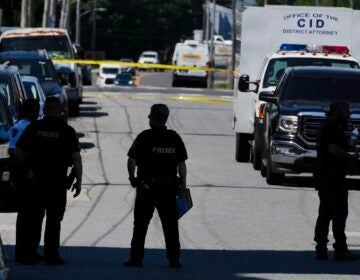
[34, 90]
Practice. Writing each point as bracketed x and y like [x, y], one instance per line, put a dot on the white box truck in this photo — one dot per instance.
[272, 38]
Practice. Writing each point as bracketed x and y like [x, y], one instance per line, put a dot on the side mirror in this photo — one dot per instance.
[244, 81]
[268, 96]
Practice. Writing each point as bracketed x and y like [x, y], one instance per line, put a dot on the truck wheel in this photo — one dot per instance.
[242, 152]
[256, 156]
[271, 177]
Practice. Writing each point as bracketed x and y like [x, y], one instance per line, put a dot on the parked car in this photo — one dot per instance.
[12, 88]
[124, 79]
[128, 69]
[57, 43]
[34, 90]
[107, 74]
[40, 65]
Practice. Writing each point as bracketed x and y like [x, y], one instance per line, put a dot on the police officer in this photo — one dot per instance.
[159, 155]
[330, 182]
[49, 146]
[29, 112]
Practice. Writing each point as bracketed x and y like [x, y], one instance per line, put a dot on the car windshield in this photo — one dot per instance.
[149, 55]
[322, 88]
[277, 66]
[40, 69]
[56, 46]
[124, 77]
[108, 70]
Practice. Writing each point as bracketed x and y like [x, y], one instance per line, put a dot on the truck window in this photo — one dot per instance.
[278, 65]
[56, 46]
[322, 89]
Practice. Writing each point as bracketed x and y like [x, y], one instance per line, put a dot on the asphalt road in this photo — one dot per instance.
[239, 228]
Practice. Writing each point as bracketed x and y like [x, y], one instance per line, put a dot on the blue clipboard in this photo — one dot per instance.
[184, 203]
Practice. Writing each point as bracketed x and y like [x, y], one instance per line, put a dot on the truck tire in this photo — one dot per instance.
[256, 155]
[242, 151]
[271, 177]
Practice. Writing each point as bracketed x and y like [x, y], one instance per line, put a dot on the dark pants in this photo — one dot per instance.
[333, 207]
[38, 202]
[145, 203]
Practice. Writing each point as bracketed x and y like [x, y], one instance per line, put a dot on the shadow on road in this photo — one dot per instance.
[308, 182]
[106, 263]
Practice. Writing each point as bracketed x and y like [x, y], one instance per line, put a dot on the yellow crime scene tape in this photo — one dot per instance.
[139, 65]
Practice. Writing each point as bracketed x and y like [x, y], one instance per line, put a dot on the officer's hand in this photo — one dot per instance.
[133, 182]
[77, 188]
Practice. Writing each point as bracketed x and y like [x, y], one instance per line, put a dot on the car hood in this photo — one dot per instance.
[294, 107]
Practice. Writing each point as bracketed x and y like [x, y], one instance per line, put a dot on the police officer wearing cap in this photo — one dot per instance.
[48, 146]
[158, 155]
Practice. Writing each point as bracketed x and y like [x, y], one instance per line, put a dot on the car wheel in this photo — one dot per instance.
[242, 150]
[271, 177]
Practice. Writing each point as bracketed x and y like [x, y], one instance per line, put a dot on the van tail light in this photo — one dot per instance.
[175, 62]
[262, 111]
[208, 64]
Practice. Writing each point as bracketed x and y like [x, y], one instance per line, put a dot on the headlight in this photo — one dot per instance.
[288, 124]
[131, 82]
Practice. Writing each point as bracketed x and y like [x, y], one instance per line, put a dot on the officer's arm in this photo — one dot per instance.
[131, 166]
[77, 162]
[182, 173]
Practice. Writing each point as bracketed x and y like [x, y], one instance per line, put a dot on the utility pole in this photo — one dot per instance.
[317, 3]
[233, 51]
[93, 35]
[77, 29]
[210, 73]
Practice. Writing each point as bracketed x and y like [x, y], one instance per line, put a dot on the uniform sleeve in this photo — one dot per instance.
[181, 153]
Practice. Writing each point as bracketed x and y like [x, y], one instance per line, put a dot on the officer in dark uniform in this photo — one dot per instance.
[329, 175]
[159, 155]
[48, 147]
[29, 112]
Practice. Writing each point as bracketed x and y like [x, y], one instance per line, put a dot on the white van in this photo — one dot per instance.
[192, 54]
[107, 74]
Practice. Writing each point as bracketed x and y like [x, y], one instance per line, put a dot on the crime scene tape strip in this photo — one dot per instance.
[138, 65]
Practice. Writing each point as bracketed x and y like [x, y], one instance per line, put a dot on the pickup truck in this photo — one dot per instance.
[294, 112]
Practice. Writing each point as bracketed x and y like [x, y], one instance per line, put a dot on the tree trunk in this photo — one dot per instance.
[24, 21]
[45, 13]
[51, 21]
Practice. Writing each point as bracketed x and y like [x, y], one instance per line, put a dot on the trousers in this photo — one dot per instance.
[165, 203]
[333, 207]
[40, 201]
